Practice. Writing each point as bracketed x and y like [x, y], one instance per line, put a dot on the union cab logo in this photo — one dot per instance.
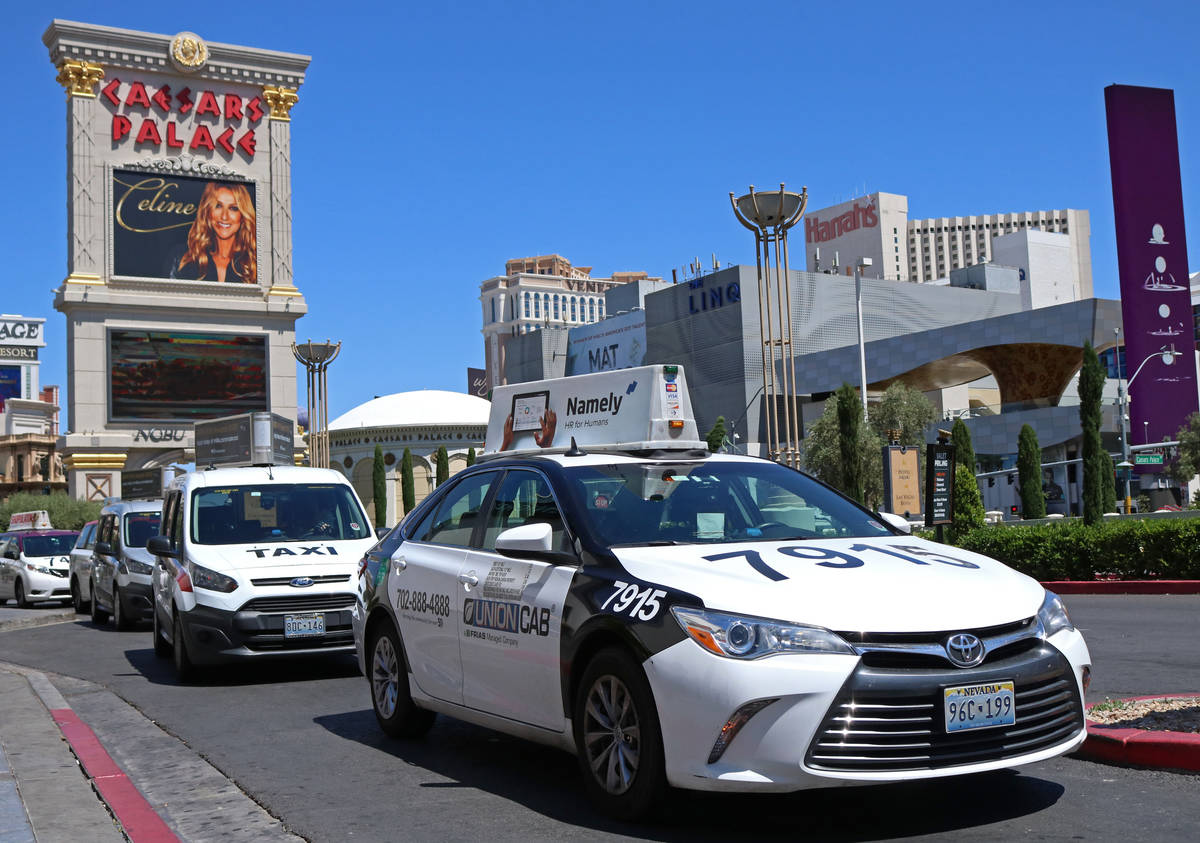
[816, 231]
[183, 119]
[505, 616]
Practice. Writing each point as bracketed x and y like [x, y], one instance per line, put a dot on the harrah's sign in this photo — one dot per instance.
[161, 117]
[860, 216]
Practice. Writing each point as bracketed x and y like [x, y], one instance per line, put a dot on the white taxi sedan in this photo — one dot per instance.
[712, 622]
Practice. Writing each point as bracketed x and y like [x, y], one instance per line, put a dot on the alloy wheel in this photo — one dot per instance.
[612, 734]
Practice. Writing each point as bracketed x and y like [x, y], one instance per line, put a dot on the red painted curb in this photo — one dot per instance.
[140, 821]
[1143, 747]
[1123, 586]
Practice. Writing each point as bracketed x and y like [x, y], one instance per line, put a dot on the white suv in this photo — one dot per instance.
[256, 562]
[81, 567]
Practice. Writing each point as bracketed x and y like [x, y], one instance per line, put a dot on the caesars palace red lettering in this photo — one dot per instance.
[859, 216]
[157, 129]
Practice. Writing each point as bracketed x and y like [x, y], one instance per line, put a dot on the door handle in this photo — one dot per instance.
[468, 579]
[399, 563]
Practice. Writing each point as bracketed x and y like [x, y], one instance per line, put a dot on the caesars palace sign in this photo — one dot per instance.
[162, 116]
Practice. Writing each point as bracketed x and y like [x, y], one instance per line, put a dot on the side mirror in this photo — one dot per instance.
[104, 549]
[897, 521]
[531, 541]
[380, 532]
[160, 546]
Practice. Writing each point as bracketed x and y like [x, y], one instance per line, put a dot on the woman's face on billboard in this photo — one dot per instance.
[225, 217]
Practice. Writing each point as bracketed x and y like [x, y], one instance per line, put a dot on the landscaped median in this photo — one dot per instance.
[1139, 550]
[1155, 732]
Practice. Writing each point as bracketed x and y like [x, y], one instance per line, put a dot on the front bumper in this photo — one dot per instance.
[39, 586]
[256, 629]
[136, 600]
[796, 742]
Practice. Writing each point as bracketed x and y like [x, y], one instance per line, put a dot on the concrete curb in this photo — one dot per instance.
[1123, 586]
[1142, 747]
[26, 618]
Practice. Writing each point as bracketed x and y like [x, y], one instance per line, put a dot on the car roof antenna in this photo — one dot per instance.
[575, 450]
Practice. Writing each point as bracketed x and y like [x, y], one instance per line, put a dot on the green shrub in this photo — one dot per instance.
[65, 512]
[1130, 550]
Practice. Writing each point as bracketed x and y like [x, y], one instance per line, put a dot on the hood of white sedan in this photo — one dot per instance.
[894, 584]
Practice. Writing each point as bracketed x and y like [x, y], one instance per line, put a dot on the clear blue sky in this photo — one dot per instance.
[433, 141]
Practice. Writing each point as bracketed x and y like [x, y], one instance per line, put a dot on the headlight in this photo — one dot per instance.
[41, 569]
[204, 578]
[1053, 615]
[136, 567]
[738, 637]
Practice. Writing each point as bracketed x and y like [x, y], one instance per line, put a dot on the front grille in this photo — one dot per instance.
[277, 643]
[323, 578]
[890, 721]
[300, 603]
[926, 650]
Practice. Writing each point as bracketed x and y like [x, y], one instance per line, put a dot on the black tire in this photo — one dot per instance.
[621, 757]
[162, 648]
[391, 700]
[99, 616]
[121, 618]
[19, 593]
[185, 671]
[81, 606]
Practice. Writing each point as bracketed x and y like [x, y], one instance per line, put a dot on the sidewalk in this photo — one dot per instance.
[78, 763]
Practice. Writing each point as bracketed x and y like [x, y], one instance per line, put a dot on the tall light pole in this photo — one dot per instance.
[316, 357]
[1168, 355]
[769, 215]
[862, 348]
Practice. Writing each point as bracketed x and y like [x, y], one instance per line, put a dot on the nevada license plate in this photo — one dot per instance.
[303, 626]
[980, 706]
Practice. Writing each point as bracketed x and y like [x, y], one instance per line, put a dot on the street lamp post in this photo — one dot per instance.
[769, 215]
[862, 348]
[1168, 355]
[316, 357]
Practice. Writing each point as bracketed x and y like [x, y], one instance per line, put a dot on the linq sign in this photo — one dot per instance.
[160, 105]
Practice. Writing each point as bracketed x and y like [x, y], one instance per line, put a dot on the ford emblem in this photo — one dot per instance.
[301, 582]
[964, 649]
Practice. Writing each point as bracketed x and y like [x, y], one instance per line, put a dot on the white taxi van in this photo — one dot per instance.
[601, 582]
[258, 556]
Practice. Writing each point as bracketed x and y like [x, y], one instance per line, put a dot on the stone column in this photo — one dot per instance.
[85, 189]
[280, 101]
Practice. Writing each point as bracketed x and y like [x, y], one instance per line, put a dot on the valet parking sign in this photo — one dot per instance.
[1156, 306]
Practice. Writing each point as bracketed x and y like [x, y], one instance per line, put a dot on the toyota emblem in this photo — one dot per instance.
[964, 649]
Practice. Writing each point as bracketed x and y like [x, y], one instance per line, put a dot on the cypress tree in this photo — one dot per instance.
[379, 487]
[850, 419]
[407, 491]
[471, 455]
[1029, 470]
[1091, 388]
[443, 465]
[1108, 483]
[716, 436]
[964, 453]
[967, 503]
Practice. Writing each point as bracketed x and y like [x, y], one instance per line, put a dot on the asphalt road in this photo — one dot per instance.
[300, 738]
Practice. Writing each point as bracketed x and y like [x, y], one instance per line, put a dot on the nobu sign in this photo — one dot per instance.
[939, 484]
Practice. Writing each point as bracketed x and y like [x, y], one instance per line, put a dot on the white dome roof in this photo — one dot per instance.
[419, 407]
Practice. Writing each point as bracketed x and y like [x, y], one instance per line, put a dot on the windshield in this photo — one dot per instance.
[48, 545]
[712, 502]
[276, 513]
[140, 527]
